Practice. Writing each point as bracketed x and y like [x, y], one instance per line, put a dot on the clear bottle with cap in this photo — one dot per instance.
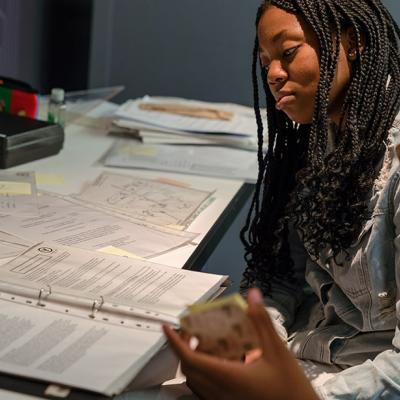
[56, 110]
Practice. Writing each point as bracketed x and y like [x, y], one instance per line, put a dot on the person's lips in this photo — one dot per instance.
[284, 99]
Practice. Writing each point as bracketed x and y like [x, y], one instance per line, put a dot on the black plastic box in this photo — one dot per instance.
[25, 139]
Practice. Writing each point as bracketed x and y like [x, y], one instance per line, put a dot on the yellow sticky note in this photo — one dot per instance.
[139, 150]
[235, 300]
[49, 179]
[119, 252]
[15, 188]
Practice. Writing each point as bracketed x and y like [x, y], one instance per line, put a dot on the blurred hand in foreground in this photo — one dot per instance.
[273, 374]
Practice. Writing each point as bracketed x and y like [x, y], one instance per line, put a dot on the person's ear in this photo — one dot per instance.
[350, 43]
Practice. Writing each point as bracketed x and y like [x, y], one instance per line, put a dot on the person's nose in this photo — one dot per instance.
[276, 73]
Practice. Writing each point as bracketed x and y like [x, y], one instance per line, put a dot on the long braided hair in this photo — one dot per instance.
[325, 196]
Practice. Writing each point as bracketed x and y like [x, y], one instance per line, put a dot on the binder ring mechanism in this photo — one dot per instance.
[96, 306]
[43, 294]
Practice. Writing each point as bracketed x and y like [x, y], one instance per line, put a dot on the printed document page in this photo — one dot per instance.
[65, 335]
[11, 246]
[202, 160]
[146, 200]
[132, 287]
[68, 223]
[72, 351]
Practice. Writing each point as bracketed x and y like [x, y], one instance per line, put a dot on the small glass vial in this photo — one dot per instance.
[56, 110]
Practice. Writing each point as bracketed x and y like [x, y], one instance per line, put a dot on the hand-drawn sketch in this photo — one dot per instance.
[146, 200]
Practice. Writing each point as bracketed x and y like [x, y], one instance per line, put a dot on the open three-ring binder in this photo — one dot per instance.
[89, 320]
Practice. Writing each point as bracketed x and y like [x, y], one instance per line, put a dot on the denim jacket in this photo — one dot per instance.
[354, 321]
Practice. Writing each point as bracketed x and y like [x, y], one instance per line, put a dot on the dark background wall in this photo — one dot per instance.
[46, 42]
[190, 48]
[394, 7]
[187, 48]
[67, 40]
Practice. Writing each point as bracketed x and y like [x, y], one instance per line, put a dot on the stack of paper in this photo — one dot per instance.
[179, 135]
[180, 121]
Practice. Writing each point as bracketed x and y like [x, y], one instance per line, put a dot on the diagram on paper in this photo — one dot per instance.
[146, 200]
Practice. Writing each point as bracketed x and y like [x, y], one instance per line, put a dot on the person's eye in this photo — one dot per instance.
[287, 54]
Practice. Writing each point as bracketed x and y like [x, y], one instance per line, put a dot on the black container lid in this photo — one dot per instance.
[16, 130]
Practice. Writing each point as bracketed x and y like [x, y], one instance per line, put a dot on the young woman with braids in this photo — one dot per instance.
[323, 234]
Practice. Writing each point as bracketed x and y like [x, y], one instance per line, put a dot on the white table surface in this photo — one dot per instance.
[80, 161]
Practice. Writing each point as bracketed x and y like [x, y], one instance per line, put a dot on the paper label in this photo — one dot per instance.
[119, 252]
[49, 179]
[139, 150]
[15, 188]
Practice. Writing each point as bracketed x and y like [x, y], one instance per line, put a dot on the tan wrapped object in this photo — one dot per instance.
[189, 111]
[222, 327]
